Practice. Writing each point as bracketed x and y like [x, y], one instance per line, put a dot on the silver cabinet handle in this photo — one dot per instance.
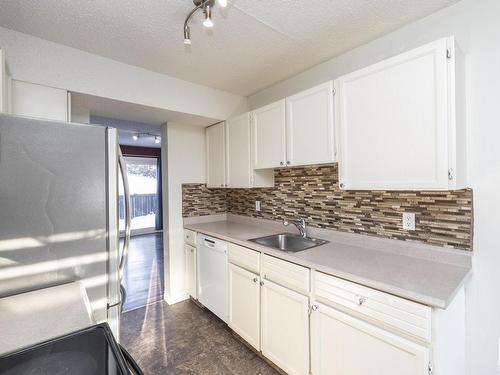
[255, 279]
[281, 163]
[128, 219]
[361, 300]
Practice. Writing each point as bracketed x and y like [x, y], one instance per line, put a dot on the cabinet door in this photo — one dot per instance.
[244, 304]
[285, 328]
[238, 152]
[29, 99]
[216, 167]
[310, 126]
[393, 122]
[190, 270]
[268, 134]
[342, 344]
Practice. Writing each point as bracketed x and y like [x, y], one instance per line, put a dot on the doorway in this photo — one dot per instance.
[143, 277]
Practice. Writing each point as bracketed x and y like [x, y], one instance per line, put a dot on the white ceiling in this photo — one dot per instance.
[254, 44]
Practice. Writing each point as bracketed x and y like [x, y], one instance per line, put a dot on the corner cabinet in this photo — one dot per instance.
[401, 122]
[343, 344]
[229, 156]
[310, 126]
[216, 156]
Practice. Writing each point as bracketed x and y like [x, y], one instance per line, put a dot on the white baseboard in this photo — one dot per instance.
[171, 300]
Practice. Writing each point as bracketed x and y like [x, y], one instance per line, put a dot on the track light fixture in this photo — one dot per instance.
[206, 6]
[136, 136]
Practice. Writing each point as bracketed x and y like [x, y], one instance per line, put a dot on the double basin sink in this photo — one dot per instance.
[288, 242]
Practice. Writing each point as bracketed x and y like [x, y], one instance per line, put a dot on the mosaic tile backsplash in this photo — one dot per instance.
[443, 218]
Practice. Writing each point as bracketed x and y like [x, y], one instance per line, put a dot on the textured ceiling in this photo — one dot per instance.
[254, 44]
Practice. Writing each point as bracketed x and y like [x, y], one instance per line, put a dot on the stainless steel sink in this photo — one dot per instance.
[289, 242]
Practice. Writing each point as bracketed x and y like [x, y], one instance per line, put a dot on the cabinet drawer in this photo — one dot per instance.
[190, 237]
[393, 312]
[285, 273]
[243, 257]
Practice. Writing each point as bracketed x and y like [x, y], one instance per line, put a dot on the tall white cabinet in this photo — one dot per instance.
[401, 122]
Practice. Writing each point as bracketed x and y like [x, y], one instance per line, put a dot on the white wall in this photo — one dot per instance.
[185, 156]
[39, 61]
[476, 25]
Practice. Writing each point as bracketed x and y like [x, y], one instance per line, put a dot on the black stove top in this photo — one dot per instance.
[91, 351]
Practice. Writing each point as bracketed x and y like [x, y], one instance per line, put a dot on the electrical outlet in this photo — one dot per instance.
[409, 220]
[257, 205]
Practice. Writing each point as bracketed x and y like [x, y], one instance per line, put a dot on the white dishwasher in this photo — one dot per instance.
[212, 275]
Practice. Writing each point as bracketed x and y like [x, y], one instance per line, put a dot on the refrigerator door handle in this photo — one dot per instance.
[123, 259]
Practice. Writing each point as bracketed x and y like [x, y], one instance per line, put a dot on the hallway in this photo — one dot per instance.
[143, 276]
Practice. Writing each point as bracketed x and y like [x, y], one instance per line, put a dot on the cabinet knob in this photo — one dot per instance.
[255, 279]
[262, 283]
[221, 185]
[341, 185]
[288, 162]
[361, 300]
[314, 307]
[281, 163]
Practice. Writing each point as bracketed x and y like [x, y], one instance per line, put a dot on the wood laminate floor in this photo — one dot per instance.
[143, 276]
[186, 339]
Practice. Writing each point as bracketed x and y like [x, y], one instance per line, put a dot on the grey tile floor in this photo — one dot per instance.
[186, 339]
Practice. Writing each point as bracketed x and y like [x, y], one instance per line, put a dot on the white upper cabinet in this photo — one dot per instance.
[401, 124]
[29, 99]
[216, 155]
[229, 156]
[268, 132]
[238, 151]
[310, 126]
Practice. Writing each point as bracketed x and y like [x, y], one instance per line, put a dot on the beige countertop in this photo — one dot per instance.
[421, 273]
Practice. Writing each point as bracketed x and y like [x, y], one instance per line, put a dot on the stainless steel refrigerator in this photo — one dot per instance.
[59, 210]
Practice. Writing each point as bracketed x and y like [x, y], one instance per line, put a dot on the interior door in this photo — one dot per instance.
[342, 344]
[216, 168]
[268, 134]
[238, 151]
[244, 304]
[285, 328]
[309, 126]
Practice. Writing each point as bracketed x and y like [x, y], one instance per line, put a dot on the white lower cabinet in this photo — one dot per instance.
[190, 270]
[285, 328]
[344, 345]
[244, 304]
